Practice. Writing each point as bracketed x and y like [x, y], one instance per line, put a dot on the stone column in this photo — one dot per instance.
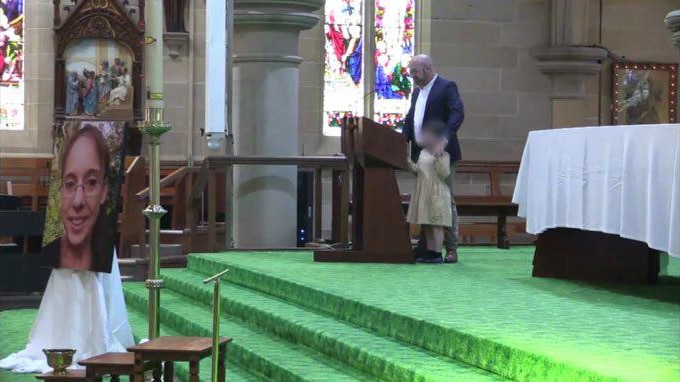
[568, 61]
[265, 116]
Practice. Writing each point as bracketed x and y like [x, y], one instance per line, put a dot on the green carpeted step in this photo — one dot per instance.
[487, 311]
[381, 357]
[252, 350]
[140, 328]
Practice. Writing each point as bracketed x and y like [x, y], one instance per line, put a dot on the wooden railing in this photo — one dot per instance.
[131, 220]
[338, 165]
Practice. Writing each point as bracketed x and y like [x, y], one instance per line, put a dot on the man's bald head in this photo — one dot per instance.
[423, 59]
[421, 69]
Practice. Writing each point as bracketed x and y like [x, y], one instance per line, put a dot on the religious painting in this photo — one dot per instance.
[80, 224]
[644, 93]
[98, 80]
[343, 77]
[11, 64]
[394, 40]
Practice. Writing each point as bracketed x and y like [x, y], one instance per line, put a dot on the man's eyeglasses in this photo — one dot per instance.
[414, 70]
[90, 188]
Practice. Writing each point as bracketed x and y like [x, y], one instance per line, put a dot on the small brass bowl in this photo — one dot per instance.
[59, 359]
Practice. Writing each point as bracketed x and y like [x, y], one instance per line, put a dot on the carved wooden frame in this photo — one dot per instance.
[671, 86]
[99, 19]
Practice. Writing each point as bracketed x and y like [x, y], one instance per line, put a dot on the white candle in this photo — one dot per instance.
[154, 52]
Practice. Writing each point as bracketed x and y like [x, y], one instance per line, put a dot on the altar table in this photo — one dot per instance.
[621, 182]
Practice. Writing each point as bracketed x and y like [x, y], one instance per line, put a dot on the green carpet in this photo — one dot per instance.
[14, 328]
[484, 319]
[486, 311]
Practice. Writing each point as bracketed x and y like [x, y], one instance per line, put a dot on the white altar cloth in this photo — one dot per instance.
[622, 180]
[80, 310]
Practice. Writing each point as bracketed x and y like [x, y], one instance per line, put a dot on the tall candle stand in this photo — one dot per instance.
[154, 127]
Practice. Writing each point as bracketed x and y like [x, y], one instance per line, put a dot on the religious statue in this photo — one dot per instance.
[174, 15]
[119, 94]
[103, 81]
[115, 71]
[89, 94]
[72, 87]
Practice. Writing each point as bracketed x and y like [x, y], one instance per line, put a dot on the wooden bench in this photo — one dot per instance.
[27, 178]
[22, 272]
[495, 203]
[110, 364]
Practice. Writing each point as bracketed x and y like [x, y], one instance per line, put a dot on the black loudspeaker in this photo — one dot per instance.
[305, 207]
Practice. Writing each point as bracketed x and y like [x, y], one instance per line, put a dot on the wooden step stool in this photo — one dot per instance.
[113, 364]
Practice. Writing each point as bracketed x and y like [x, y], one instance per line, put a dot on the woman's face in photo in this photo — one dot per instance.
[83, 191]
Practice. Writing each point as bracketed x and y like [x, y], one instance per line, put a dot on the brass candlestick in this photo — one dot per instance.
[153, 127]
[216, 322]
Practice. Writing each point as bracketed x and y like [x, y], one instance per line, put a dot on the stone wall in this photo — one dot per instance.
[630, 29]
[484, 45]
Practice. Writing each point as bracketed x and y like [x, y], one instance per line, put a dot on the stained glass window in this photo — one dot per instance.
[394, 40]
[344, 90]
[11, 65]
[343, 79]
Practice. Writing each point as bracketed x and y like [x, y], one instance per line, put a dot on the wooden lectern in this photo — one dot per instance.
[379, 230]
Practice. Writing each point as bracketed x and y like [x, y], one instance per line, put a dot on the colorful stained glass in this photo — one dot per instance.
[11, 65]
[344, 87]
[343, 79]
[394, 40]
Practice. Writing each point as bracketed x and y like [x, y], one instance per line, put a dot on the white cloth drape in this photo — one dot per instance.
[622, 180]
[80, 310]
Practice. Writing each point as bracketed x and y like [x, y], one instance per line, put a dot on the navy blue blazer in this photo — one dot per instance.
[443, 104]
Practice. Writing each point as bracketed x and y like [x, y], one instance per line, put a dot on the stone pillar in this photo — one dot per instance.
[569, 62]
[265, 117]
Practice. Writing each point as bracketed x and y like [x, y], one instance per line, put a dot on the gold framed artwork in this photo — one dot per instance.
[644, 93]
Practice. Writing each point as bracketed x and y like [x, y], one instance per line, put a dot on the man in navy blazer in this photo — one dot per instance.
[436, 99]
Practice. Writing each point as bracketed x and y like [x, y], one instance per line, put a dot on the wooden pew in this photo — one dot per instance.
[495, 203]
[27, 178]
[22, 272]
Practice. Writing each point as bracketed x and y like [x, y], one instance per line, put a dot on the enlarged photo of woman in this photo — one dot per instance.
[80, 224]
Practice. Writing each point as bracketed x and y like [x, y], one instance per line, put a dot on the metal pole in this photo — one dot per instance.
[154, 127]
[216, 323]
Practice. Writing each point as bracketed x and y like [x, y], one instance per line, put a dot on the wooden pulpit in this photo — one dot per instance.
[379, 230]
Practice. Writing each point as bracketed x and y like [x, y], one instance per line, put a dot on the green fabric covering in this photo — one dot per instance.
[296, 320]
[15, 326]
[378, 356]
[486, 311]
[251, 349]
